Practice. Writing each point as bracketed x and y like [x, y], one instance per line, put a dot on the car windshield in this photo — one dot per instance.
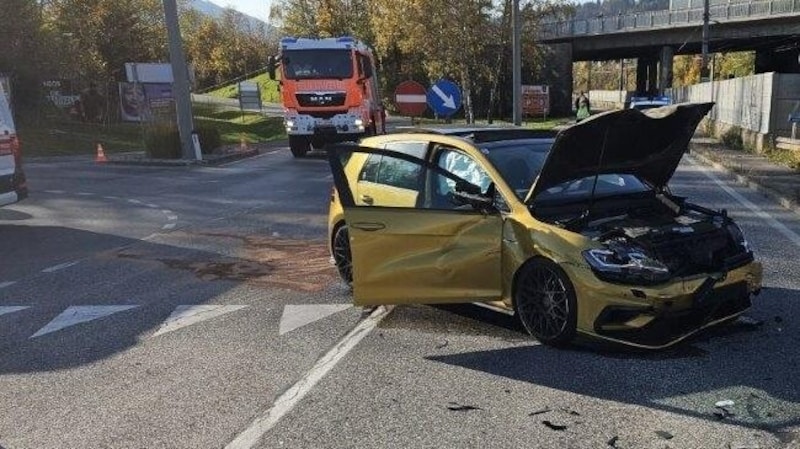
[314, 64]
[520, 161]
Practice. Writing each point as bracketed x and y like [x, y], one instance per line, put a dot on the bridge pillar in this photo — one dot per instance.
[557, 75]
[665, 74]
[769, 60]
[652, 76]
[641, 76]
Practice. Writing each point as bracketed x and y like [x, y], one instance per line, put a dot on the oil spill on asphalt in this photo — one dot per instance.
[272, 262]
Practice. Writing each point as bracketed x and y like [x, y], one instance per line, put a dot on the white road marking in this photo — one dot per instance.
[111, 197]
[169, 226]
[152, 206]
[85, 194]
[57, 192]
[298, 315]
[135, 202]
[11, 309]
[79, 314]
[291, 397]
[7, 284]
[172, 217]
[772, 221]
[166, 211]
[186, 315]
[60, 266]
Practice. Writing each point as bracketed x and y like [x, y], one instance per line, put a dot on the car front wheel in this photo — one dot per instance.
[545, 303]
[341, 254]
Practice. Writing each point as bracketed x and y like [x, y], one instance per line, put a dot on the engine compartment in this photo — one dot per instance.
[659, 230]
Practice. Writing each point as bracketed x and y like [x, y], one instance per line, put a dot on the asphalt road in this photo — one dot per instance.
[196, 308]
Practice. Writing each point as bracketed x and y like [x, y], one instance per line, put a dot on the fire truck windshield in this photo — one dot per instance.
[316, 64]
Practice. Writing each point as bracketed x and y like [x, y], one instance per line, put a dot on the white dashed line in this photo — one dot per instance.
[172, 217]
[7, 284]
[135, 202]
[85, 194]
[57, 192]
[291, 397]
[169, 226]
[152, 206]
[60, 266]
[111, 197]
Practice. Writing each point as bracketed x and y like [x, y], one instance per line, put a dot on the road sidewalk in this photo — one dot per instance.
[775, 181]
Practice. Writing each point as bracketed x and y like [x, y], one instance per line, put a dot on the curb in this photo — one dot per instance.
[217, 160]
[784, 201]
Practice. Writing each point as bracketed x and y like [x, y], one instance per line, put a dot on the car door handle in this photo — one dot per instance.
[368, 226]
[366, 199]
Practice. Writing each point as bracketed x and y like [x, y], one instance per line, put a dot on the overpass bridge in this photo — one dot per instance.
[771, 28]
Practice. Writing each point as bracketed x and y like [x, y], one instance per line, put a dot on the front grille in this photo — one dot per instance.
[693, 253]
[321, 99]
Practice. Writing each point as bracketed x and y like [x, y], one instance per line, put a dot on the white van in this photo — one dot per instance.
[12, 180]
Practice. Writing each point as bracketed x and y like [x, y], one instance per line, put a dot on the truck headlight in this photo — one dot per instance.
[359, 124]
[626, 265]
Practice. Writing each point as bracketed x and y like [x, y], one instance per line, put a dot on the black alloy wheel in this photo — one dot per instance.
[545, 302]
[341, 254]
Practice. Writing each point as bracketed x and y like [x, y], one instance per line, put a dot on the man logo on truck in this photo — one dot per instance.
[329, 91]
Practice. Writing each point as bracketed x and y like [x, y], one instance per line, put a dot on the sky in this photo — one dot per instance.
[256, 8]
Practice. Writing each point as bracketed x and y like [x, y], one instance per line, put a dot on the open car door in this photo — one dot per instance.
[445, 248]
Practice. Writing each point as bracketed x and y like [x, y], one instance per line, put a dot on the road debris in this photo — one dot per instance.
[571, 412]
[456, 407]
[724, 403]
[664, 434]
[442, 345]
[539, 412]
[558, 427]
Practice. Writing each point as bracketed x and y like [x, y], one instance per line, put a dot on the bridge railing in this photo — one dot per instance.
[667, 18]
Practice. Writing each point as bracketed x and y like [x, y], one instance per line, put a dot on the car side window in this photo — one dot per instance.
[369, 172]
[463, 166]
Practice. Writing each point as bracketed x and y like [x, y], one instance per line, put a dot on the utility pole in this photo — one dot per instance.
[180, 77]
[704, 65]
[516, 57]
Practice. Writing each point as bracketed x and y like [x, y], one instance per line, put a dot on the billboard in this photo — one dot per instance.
[140, 102]
[535, 100]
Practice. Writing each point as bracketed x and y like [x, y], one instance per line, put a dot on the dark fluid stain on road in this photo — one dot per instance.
[300, 265]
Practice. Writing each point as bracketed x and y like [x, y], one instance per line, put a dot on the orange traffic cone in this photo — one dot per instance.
[101, 155]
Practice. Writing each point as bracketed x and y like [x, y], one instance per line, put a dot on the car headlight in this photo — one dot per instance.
[290, 123]
[625, 265]
[358, 122]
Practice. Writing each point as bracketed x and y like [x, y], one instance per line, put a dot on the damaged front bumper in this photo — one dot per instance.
[659, 317]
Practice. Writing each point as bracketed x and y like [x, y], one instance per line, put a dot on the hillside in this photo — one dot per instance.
[216, 11]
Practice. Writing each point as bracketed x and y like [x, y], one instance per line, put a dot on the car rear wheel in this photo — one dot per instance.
[299, 146]
[341, 254]
[545, 302]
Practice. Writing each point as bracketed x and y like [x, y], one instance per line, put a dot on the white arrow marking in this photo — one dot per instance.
[79, 314]
[296, 316]
[11, 309]
[449, 101]
[410, 98]
[187, 315]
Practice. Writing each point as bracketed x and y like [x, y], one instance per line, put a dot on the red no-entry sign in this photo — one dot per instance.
[410, 98]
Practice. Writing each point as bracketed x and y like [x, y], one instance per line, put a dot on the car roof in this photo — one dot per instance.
[479, 134]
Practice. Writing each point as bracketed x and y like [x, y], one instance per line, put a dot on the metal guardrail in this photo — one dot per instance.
[668, 18]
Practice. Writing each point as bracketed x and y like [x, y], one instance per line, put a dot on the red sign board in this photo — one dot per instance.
[535, 100]
[410, 98]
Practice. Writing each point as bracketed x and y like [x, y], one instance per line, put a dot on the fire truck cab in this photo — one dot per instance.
[329, 91]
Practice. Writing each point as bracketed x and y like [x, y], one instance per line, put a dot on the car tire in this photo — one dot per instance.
[342, 257]
[545, 302]
[299, 146]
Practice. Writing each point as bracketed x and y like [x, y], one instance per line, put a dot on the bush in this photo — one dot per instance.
[733, 138]
[162, 142]
[210, 138]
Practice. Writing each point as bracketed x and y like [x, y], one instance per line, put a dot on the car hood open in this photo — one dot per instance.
[648, 144]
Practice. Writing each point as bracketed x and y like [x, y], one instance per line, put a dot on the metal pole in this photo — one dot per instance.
[180, 75]
[516, 64]
[704, 65]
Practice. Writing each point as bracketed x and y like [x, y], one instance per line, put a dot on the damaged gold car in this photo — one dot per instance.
[574, 233]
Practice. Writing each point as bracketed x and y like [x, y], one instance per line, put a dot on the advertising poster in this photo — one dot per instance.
[139, 101]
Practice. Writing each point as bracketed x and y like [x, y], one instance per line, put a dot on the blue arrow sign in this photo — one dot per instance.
[444, 98]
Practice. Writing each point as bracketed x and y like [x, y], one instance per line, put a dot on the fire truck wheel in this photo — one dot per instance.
[299, 146]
